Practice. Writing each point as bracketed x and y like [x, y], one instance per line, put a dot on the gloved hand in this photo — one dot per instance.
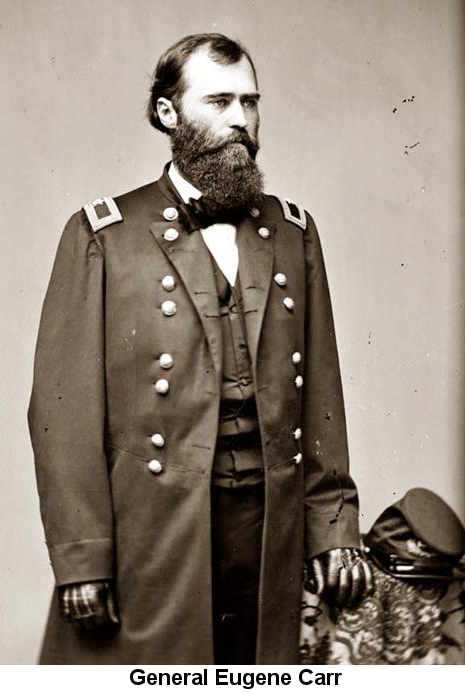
[341, 575]
[91, 604]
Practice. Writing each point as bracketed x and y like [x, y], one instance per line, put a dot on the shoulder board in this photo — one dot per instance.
[294, 213]
[102, 212]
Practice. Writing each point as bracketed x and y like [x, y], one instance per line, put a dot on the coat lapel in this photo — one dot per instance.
[256, 257]
[190, 257]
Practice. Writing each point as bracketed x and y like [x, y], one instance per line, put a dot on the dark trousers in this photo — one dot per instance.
[237, 524]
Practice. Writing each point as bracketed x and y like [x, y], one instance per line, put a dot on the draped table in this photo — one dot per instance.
[403, 622]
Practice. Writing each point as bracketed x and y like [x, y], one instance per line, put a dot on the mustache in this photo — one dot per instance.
[212, 146]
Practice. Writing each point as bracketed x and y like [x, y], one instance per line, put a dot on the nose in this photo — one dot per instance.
[237, 117]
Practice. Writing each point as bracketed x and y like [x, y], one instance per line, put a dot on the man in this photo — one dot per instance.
[187, 414]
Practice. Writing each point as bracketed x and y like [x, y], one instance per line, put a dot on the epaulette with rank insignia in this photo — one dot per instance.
[294, 213]
[102, 212]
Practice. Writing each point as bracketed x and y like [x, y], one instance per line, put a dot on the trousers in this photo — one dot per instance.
[237, 526]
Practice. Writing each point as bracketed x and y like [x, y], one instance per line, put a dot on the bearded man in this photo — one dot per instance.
[187, 415]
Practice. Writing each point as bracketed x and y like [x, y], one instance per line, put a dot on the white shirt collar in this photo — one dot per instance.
[183, 186]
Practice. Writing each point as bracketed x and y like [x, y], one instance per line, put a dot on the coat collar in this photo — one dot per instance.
[185, 189]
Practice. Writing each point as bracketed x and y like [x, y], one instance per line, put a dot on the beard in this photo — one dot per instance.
[223, 169]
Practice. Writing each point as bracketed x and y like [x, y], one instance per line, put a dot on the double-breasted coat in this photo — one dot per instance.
[97, 401]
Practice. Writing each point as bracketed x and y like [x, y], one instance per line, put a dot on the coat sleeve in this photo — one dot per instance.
[67, 411]
[331, 501]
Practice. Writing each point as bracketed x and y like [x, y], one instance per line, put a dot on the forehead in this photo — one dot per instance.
[205, 76]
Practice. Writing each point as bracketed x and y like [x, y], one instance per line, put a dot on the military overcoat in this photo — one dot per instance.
[97, 401]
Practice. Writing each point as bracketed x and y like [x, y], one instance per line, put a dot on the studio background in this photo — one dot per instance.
[362, 123]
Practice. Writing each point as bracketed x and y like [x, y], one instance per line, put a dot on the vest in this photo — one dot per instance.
[238, 457]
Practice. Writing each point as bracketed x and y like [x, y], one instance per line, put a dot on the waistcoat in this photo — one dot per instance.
[238, 458]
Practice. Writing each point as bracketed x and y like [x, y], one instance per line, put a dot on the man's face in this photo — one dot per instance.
[222, 99]
[214, 139]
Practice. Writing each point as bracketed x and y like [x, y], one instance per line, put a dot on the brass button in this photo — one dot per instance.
[280, 279]
[296, 358]
[299, 380]
[264, 232]
[288, 303]
[298, 457]
[158, 440]
[171, 234]
[170, 213]
[254, 212]
[155, 466]
[168, 282]
[297, 434]
[166, 361]
[162, 386]
[168, 308]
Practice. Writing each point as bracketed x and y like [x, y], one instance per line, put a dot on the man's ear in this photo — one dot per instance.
[167, 113]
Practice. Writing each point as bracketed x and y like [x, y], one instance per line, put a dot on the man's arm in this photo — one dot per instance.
[331, 500]
[67, 409]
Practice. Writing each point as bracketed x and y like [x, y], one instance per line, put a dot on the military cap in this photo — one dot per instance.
[418, 537]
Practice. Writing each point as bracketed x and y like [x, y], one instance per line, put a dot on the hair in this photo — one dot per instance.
[168, 78]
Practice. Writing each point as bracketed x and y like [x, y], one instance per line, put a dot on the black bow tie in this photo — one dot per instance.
[198, 213]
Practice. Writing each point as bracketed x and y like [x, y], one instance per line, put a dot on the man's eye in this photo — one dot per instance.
[220, 103]
[250, 103]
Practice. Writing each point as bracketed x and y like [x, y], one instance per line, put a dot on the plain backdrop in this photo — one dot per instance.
[362, 123]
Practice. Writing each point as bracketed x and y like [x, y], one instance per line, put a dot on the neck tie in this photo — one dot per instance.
[196, 209]
[199, 217]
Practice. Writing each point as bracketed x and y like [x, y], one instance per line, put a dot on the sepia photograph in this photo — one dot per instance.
[233, 285]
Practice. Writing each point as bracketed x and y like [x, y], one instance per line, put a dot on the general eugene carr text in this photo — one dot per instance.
[223, 676]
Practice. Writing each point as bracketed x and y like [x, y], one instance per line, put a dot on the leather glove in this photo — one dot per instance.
[342, 576]
[91, 604]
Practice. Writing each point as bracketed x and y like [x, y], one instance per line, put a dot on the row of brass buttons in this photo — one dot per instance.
[166, 360]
